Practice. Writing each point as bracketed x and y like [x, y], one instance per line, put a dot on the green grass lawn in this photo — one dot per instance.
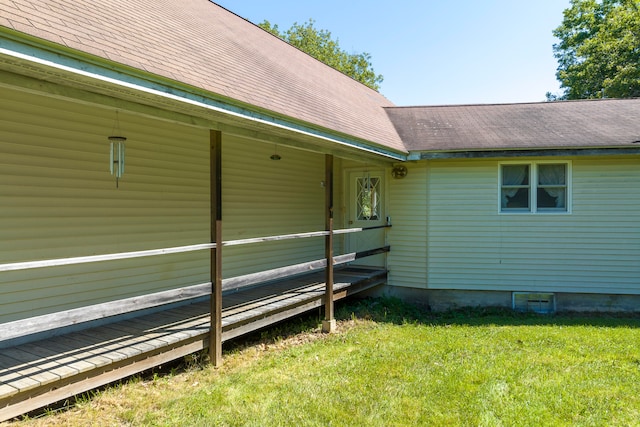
[392, 365]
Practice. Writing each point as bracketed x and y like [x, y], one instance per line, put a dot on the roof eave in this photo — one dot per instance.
[35, 50]
[533, 152]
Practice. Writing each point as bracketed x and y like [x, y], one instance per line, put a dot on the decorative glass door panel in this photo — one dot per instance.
[368, 198]
[366, 209]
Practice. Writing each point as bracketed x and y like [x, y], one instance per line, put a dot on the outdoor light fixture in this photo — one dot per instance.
[275, 155]
[399, 172]
[116, 158]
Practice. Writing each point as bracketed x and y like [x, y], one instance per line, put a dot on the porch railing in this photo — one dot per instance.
[43, 323]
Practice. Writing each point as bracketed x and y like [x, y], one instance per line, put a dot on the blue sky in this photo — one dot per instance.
[435, 52]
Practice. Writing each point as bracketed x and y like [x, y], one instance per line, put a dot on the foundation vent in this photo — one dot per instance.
[535, 302]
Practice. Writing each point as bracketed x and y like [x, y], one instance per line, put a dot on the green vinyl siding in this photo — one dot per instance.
[264, 197]
[58, 200]
[408, 235]
[595, 249]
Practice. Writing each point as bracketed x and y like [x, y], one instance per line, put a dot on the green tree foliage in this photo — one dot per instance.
[320, 45]
[599, 50]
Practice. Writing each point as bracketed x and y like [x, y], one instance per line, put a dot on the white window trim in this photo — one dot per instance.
[533, 182]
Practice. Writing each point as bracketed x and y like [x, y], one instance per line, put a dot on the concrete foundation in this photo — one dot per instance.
[441, 300]
[329, 326]
[597, 302]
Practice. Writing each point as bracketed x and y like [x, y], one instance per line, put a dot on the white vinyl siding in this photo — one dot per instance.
[594, 250]
[408, 236]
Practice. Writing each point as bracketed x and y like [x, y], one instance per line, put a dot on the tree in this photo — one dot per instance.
[599, 50]
[320, 45]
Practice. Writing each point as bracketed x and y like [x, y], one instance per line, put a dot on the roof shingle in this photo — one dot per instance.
[567, 124]
[201, 44]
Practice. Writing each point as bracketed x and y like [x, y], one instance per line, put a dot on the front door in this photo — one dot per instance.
[366, 208]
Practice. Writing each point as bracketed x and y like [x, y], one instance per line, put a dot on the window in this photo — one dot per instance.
[367, 198]
[534, 187]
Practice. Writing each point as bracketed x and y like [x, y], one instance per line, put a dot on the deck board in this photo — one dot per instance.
[31, 371]
[13, 377]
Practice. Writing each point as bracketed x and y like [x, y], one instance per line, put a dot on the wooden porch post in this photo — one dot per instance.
[329, 323]
[215, 170]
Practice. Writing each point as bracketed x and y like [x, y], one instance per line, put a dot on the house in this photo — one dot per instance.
[528, 205]
[72, 77]
[136, 137]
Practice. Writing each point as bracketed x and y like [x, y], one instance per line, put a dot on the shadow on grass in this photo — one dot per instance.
[382, 310]
[394, 310]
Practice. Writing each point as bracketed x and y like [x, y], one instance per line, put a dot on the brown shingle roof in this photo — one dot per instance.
[203, 45]
[568, 124]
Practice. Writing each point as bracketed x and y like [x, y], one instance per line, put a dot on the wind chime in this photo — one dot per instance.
[117, 153]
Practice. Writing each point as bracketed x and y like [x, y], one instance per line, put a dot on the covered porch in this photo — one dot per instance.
[106, 271]
[50, 357]
[45, 358]
[36, 374]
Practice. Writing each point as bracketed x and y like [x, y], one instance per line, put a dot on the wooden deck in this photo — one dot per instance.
[39, 373]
